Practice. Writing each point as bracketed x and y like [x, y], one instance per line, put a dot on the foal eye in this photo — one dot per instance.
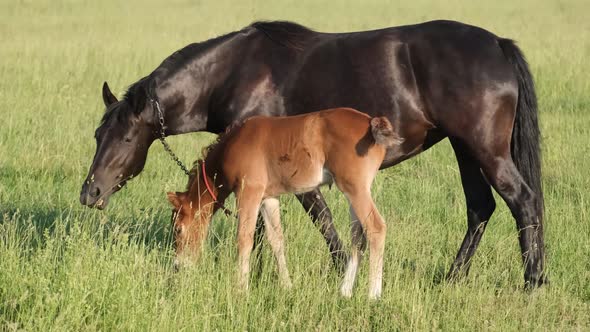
[176, 215]
[128, 139]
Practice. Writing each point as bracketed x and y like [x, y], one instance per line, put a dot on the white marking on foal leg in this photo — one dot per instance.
[375, 230]
[350, 275]
[274, 234]
[358, 247]
[376, 269]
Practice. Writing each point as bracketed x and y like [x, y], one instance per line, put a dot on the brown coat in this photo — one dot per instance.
[265, 157]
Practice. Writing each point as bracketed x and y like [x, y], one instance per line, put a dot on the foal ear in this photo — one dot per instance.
[107, 96]
[174, 199]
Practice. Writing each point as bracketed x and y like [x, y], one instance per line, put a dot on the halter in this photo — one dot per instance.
[207, 182]
[162, 135]
[212, 193]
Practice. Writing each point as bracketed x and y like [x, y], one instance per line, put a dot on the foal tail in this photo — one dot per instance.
[383, 133]
[526, 136]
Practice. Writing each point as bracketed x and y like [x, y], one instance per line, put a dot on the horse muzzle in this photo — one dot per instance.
[92, 196]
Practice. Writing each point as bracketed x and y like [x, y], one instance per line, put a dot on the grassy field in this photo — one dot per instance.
[65, 267]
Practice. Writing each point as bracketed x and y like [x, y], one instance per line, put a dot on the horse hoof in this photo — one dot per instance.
[533, 283]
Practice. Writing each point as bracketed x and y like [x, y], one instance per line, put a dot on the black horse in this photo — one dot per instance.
[432, 80]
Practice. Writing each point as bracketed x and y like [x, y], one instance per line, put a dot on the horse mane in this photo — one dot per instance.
[137, 93]
[180, 58]
[135, 98]
[288, 34]
[138, 90]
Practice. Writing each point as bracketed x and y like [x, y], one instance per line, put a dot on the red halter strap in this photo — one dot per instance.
[207, 182]
[219, 204]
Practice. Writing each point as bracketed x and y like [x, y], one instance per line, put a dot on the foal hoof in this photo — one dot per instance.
[375, 294]
[346, 292]
[286, 283]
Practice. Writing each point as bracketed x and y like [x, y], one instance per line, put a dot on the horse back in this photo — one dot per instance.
[419, 76]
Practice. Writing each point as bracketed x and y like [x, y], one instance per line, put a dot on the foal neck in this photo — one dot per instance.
[206, 186]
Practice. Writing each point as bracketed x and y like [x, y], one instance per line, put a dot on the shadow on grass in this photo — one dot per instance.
[40, 224]
[439, 275]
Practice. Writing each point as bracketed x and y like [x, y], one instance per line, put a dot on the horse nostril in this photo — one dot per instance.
[95, 192]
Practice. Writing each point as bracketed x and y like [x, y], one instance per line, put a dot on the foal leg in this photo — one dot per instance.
[314, 204]
[259, 232]
[274, 234]
[375, 231]
[359, 244]
[248, 205]
[480, 206]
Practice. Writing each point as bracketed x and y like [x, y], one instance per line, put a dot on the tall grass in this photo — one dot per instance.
[65, 267]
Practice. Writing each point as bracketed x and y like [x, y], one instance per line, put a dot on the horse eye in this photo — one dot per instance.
[128, 139]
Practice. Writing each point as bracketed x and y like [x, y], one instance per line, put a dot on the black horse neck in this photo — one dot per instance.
[212, 85]
[194, 85]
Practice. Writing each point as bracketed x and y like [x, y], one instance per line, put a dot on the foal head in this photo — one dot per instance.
[191, 215]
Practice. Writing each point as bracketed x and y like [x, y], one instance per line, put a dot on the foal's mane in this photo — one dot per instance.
[212, 148]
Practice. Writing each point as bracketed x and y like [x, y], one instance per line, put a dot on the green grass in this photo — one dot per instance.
[65, 267]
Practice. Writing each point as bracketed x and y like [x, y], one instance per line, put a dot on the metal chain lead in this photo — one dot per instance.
[162, 138]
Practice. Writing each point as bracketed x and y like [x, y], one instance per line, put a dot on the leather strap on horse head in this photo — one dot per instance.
[212, 193]
[162, 135]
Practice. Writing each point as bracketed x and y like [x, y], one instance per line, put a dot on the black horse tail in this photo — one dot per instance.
[526, 136]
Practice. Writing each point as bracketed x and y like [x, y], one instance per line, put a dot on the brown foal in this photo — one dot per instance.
[265, 157]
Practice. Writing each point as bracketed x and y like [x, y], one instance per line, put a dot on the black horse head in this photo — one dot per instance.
[123, 138]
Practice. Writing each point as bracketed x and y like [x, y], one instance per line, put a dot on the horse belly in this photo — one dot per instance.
[297, 175]
[308, 180]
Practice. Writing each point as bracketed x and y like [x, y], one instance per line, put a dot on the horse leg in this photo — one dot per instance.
[359, 244]
[493, 152]
[480, 206]
[314, 204]
[375, 231]
[522, 202]
[274, 234]
[248, 205]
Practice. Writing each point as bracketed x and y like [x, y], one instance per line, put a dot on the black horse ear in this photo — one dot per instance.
[107, 96]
